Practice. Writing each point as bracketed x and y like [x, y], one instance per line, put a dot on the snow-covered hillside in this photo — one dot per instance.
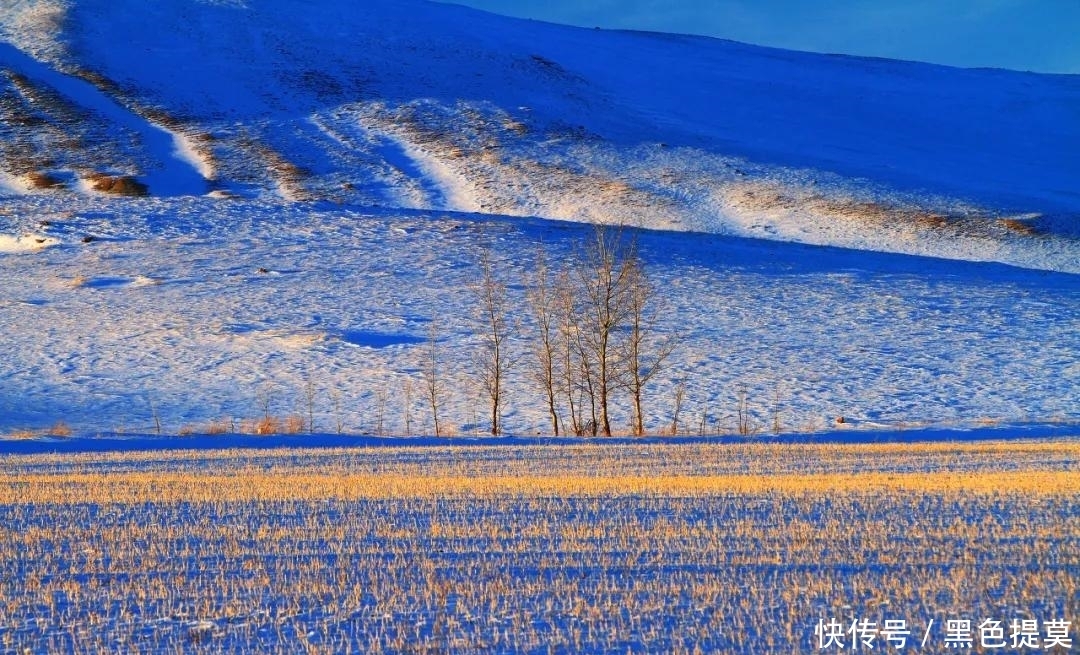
[403, 103]
[319, 176]
[200, 311]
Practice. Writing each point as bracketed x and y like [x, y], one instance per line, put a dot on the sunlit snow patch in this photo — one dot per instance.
[25, 243]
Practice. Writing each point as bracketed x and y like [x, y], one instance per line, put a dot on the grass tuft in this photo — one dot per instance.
[119, 185]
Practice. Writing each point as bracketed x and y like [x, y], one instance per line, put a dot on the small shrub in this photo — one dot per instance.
[42, 180]
[60, 429]
[1018, 226]
[223, 426]
[931, 220]
[293, 424]
[119, 185]
[266, 425]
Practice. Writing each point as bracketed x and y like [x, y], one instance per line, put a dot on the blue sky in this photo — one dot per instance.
[1038, 35]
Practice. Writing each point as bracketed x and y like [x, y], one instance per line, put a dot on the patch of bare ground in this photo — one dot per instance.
[100, 81]
[41, 130]
[118, 185]
[43, 180]
[1019, 226]
[290, 179]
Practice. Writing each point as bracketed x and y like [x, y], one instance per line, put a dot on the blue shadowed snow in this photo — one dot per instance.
[107, 442]
[378, 340]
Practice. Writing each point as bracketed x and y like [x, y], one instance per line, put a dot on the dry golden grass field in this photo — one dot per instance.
[623, 548]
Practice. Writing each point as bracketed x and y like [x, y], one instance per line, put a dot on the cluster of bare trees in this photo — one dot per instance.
[586, 330]
[593, 334]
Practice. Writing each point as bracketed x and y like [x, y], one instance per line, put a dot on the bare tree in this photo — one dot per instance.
[744, 419]
[309, 397]
[645, 353]
[607, 275]
[569, 351]
[381, 397]
[431, 375]
[494, 359]
[154, 414]
[596, 333]
[265, 396]
[776, 425]
[542, 300]
[585, 386]
[407, 395]
[680, 397]
[339, 421]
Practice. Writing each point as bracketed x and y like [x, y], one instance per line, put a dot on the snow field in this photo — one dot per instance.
[210, 310]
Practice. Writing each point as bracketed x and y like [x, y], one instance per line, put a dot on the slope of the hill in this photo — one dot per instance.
[404, 103]
[198, 313]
